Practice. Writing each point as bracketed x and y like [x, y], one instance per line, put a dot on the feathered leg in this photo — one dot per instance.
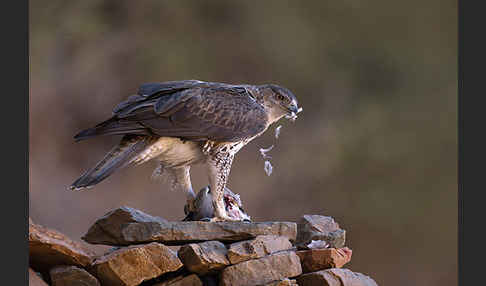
[219, 166]
[180, 178]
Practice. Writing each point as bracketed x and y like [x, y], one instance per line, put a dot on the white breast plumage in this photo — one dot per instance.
[171, 152]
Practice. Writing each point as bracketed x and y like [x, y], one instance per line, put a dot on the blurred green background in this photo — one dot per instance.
[375, 147]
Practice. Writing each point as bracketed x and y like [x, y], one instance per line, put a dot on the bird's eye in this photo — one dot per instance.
[280, 97]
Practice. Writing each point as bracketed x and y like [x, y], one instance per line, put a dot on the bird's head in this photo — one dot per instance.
[279, 102]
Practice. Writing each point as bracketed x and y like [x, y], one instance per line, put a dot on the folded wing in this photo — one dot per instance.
[191, 110]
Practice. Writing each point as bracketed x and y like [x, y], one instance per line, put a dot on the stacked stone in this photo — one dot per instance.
[311, 252]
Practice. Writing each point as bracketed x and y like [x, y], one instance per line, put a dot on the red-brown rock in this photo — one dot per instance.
[317, 227]
[35, 280]
[132, 265]
[261, 271]
[335, 277]
[72, 276]
[319, 259]
[260, 246]
[203, 258]
[48, 248]
[283, 282]
[190, 280]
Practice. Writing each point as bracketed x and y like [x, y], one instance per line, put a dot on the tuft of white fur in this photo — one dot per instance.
[277, 131]
[160, 174]
[268, 168]
[264, 151]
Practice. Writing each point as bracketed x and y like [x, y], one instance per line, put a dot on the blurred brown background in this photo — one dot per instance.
[375, 147]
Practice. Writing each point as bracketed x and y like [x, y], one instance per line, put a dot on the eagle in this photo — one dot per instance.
[182, 123]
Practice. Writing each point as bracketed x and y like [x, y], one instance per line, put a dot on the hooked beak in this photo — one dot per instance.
[293, 110]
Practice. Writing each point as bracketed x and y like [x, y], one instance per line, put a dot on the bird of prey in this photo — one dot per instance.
[182, 123]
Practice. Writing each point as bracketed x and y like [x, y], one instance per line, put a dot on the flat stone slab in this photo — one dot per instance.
[49, 247]
[335, 277]
[313, 228]
[319, 259]
[203, 258]
[261, 271]
[260, 246]
[72, 276]
[132, 265]
[126, 226]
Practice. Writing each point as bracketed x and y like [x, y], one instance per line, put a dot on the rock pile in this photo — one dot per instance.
[310, 252]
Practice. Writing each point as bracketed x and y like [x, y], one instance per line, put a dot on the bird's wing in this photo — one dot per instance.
[148, 91]
[188, 110]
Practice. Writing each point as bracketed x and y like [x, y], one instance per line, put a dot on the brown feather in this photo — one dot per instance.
[192, 110]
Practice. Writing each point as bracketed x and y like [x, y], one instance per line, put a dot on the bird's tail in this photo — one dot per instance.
[119, 157]
[112, 126]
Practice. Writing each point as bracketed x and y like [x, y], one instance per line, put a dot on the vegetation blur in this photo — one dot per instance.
[375, 147]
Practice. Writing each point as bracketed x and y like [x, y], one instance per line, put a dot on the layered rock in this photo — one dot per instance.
[335, 277]
[319, 259]
[205, 257]
[260, 246]
[72, 276]
[190, 280]
[211, 254]
[125, 226]
[48, 248]
[263, 270]
[283, 282]
[34, 279]
[132, 265]
[319, 228]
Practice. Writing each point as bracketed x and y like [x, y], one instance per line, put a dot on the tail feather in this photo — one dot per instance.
[112, 127]
[119, 157]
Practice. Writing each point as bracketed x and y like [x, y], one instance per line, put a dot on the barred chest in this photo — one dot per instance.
[226, 148]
